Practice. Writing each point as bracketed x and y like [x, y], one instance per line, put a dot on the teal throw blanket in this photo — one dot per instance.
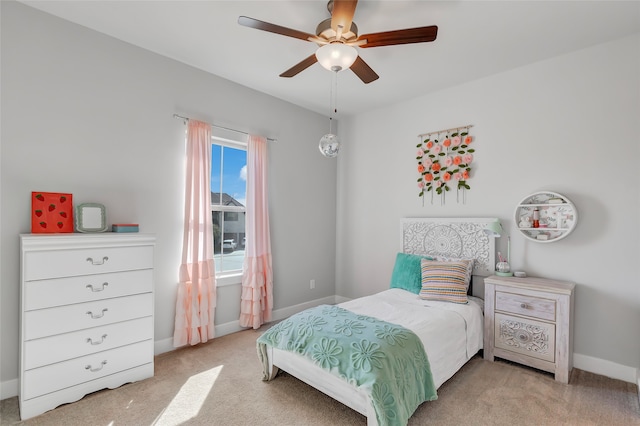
[385, 359]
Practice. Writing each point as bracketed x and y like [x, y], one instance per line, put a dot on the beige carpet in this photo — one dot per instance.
[218, 383]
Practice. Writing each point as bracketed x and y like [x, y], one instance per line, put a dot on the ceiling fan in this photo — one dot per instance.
[341, 34]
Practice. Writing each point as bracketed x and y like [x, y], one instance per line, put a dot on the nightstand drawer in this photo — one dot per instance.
[535, 307]
[532, 338]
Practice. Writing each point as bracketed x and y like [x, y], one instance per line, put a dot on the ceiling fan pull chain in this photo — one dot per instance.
[331, 106]
[335, 102]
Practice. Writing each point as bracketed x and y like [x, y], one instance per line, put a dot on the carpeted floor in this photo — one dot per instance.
[218, 383]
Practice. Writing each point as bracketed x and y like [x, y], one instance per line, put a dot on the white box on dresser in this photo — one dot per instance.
[86, 316]
[530, 321]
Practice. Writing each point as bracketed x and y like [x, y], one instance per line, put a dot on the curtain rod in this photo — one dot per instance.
[185, 119]
[446, 130]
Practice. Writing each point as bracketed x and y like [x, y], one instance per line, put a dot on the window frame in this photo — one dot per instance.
[233, 276]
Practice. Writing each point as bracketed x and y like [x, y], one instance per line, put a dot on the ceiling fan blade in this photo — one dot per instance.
[300, 66]
[364, 71]
[410, 35]
[342, 15]
[273, 28]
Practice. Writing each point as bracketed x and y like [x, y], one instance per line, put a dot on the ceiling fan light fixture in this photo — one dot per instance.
[336, 56]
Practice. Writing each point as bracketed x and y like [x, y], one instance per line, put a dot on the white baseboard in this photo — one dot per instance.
[606, 368]
[166, 345]
[281, 314]
[9, 388]
[340, 299]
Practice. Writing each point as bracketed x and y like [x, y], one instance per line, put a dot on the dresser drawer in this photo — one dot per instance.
[64, 319]
[535, 307]
[527, 337]
[65, 291]
[40, 381]
[40, 265]
[49, 350]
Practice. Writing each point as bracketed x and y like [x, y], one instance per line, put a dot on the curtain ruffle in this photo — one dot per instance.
[257, 292]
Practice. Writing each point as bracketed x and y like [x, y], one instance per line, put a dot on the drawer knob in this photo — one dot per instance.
[95, 289]
[524, 305]
[97, 262]
[90, 340]
[93, 370]
[98, 315]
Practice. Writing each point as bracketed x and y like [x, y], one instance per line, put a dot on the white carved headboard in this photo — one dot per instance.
[454, 237]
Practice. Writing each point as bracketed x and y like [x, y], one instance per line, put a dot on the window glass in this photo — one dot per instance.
[228, 199]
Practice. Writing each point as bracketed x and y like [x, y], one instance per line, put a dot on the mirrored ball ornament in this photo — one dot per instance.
[329, 145]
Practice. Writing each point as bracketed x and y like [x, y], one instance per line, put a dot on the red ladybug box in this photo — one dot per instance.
[51, 212]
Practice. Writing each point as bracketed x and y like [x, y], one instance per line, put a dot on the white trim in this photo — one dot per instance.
[281, 314]
[229, 278]
[9, 388]
[638, 380]
[166, 345]
[605, 368]
[240, 143]
[341, 299]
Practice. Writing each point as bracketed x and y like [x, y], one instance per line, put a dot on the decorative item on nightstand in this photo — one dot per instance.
[494, 229]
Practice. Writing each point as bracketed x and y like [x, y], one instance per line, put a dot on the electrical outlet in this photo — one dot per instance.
[312, 284]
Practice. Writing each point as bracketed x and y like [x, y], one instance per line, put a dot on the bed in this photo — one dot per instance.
[422, 338]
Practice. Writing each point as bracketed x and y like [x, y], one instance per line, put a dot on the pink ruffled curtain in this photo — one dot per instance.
[196, 302]
[257, 275]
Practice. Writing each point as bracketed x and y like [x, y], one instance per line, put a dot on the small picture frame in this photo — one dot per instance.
[91, 217]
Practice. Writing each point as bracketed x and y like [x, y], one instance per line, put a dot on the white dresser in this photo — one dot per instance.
[530, 321]
[86, 319]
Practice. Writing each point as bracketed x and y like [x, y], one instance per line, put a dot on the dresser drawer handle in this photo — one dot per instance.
[95, 290]
[524, 306]
[93, 370]
[90, 340]
[97, 316]
[93, 262]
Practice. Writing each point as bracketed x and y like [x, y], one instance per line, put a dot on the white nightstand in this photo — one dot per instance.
[530, 321]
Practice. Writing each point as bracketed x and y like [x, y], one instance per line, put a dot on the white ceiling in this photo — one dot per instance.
[475, 39]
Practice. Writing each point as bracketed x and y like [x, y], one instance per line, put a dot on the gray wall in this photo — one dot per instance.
[87, 114]
[569, 125]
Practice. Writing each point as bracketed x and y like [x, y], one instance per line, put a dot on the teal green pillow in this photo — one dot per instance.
[407, 272]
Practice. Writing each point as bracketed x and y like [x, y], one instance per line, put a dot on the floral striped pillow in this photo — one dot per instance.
[444, 281]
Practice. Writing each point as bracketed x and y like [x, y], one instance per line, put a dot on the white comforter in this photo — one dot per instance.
[451, 333]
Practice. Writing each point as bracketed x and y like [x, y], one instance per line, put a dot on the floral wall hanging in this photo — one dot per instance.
[445, 163]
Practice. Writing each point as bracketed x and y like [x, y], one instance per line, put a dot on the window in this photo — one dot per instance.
[228, 198]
